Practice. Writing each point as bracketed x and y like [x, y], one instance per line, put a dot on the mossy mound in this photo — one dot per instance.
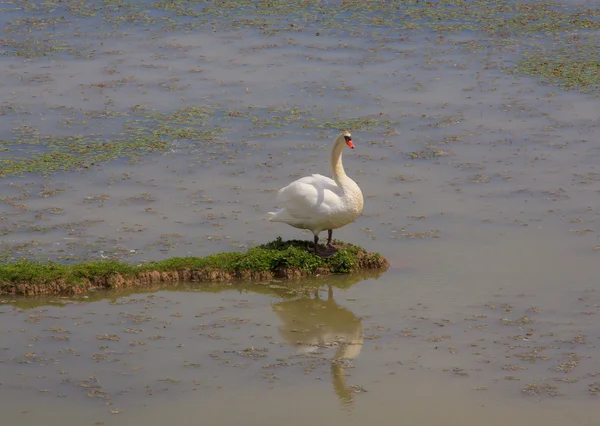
[277, 259]
[289, 289]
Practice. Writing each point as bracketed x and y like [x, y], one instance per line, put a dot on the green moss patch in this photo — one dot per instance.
[277, 259]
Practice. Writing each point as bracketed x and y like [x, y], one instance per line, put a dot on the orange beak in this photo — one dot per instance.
[349, 143]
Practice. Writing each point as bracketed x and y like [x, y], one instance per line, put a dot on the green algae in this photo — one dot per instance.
[563, 69]
[151, 132]
[277, 259]
[144, 132]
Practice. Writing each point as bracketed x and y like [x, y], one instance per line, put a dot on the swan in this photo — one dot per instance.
[319, 203]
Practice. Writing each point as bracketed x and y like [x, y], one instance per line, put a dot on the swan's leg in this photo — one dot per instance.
[315, 249]
[330, 239]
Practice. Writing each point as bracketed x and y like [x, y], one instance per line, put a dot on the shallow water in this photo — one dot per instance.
[478, 332]
[439, 129]
[480, 187]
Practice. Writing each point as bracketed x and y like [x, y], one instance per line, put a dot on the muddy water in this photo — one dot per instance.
[480, 187]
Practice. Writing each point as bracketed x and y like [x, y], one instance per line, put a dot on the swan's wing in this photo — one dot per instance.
[319, 181]
[309, 196]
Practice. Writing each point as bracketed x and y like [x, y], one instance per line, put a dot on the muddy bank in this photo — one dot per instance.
[277, 259]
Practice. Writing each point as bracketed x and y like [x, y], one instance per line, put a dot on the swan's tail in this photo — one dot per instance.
[281, 215]
[273, 215]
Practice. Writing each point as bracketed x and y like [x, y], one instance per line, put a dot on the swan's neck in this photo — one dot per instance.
[335, 162]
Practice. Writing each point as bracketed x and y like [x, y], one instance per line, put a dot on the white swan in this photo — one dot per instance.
[317, 202]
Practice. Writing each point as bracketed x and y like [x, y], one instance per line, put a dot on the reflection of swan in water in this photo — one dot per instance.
[310, 324]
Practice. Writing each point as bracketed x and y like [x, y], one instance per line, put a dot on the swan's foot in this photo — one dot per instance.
[323, 253]
[329, 251]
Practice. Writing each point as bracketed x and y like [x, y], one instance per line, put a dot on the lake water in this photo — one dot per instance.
[165, 130]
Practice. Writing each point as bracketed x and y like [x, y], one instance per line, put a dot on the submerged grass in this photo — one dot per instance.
[277, 259]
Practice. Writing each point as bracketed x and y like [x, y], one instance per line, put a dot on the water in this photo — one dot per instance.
[388, 345]
[479, 185]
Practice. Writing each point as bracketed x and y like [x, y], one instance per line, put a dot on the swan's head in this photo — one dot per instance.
[348, 139]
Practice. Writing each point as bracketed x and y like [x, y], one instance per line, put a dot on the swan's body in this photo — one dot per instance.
[317, 202]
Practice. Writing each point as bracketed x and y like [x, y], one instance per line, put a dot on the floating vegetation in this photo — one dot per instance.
[564, 69]
[535, 389]
[47, 30]
[31, 47]
[359, 123]
[427, 154]
[48, 27]
[140, 135]
[277, 259]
